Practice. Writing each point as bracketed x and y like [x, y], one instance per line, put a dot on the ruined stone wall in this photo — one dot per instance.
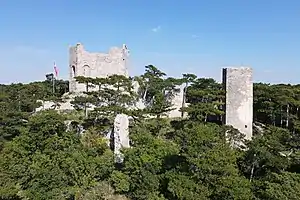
[177, 102]
[239, 99]
[83, 63]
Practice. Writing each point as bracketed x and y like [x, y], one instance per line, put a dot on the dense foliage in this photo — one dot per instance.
[186, 158]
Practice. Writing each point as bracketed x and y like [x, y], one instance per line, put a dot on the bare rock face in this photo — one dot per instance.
[121, 136]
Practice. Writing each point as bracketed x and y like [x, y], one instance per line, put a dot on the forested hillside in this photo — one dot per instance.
[185, 158]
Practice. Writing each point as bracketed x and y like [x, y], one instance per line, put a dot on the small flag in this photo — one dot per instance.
[55, 69]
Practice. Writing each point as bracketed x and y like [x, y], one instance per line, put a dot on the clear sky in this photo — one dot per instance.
[194, 36]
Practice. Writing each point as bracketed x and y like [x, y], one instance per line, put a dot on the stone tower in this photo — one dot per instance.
[239, 99]
[83, 63]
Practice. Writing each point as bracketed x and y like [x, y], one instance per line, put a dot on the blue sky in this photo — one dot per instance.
[193, 36]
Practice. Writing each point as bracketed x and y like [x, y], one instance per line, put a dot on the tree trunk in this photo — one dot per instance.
[145, 94]
[252, 172]
[287, 115]
[19, 102]
[281, 119]
[183, 99]
[273, 118]
[85, 104]
[252, 169]
[297, 109]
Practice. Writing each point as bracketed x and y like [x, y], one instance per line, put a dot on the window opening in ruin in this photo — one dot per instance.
[86, 70]
[73, 71]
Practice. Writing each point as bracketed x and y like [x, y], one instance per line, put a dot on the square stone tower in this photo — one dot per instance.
[94, 64]
[238, 84]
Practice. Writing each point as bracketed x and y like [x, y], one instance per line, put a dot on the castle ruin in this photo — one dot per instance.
[238, 85]
[83, 63]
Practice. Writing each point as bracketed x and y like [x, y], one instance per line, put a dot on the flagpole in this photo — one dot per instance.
[53, 80]
[53, 85]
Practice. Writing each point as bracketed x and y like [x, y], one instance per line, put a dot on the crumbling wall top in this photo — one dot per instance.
[239, 68]
[112, 51]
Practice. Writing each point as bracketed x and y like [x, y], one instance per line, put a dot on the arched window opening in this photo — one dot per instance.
[86, 71]
[73, 71]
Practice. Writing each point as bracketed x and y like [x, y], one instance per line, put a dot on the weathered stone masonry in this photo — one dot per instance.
[83, 63]
[237, 83]
[239, 99]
